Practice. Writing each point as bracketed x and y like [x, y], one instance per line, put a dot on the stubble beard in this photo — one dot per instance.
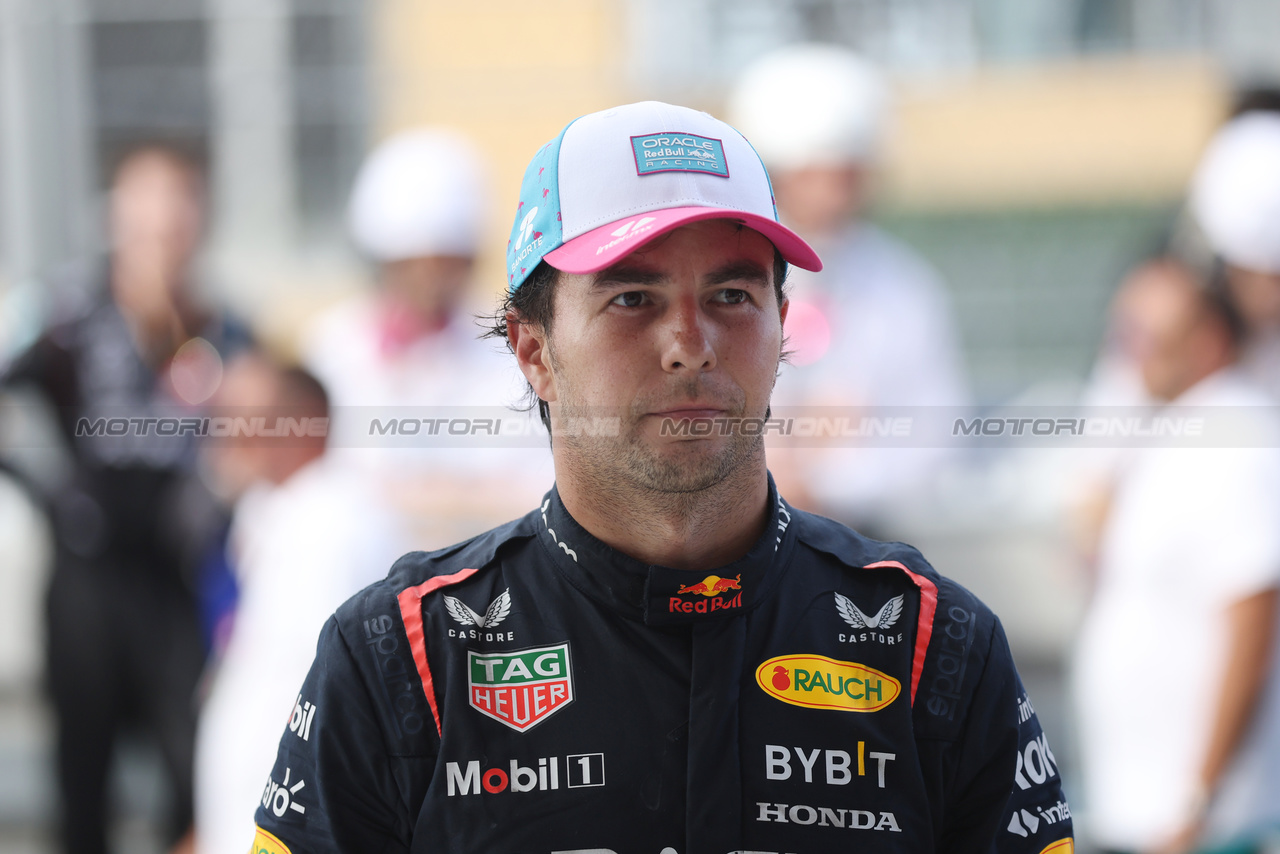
[627, 463]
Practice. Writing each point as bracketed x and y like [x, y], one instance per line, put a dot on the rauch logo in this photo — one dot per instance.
[818, 682]
[520, 689]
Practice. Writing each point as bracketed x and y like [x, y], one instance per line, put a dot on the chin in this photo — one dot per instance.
[687, 466]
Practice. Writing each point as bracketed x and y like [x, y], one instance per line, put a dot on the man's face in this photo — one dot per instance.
[687, 328]
[156, 209]
[430, 286]
[819, 200]
[1171, 337]
[1258, 296]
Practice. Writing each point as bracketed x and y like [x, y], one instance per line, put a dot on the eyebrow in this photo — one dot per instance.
[739, 271]
[735, 271]
[624, 274]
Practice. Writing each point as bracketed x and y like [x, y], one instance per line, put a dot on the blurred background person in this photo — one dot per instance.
[874, 328]
[1235, 199]
[1116, 387]
[130, 520]
[1037, 149]
[1188, 567]
[305, 536]
[1236, 203]
[411, 347]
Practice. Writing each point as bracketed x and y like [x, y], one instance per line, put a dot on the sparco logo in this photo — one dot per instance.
[497, 612]
[520, 689]
[825, 817]
[953, 657]
[400, 689]
[874, 628]
[580, 770]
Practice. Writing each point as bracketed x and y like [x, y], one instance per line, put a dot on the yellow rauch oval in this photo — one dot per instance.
[818, 682]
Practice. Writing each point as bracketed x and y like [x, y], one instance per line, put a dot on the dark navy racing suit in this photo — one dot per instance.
[532, 690]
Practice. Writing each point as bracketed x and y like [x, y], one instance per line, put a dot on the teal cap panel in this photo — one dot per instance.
[537, 229]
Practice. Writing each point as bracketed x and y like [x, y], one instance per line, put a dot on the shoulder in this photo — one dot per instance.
[856, 552]
[960, 647]
[418, 574]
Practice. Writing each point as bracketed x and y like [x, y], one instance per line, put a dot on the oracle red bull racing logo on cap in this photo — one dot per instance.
[712, 589]
[818, 682]
[679, 152]
[520, 689]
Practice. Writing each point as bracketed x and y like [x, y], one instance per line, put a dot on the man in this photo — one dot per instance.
[664, 656]
[305, 537]
[873, 329]
[1235, 199]
[1188, 567]
[124, 644]
[417, 213]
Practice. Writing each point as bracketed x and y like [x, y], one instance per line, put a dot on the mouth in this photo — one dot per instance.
[690, 412]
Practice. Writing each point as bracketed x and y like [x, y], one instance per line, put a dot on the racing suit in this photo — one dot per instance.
[533, 690]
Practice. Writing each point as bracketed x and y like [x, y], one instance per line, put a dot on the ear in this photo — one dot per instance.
[533, 355]
[783, 309]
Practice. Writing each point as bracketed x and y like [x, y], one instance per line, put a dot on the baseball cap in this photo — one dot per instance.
[420, 193]
[614, 180]
[1235, 195]
[812, 105]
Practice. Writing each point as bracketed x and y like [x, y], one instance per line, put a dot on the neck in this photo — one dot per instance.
[696, 530]
[143, 290]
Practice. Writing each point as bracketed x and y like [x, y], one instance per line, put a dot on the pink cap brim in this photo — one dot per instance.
[603, 246]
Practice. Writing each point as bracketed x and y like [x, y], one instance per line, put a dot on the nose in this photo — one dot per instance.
[688, 341]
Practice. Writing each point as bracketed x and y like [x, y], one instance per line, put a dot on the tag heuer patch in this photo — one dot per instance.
[520, 689]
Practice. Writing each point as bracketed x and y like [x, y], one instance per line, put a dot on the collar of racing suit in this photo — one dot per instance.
[661, 595]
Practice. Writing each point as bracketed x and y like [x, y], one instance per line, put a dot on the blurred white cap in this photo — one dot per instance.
[420, 193]
[1235, 195]
[811, 105]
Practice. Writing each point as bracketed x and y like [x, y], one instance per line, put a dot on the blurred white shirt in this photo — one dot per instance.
[1191, 531]
[873, 329]
[443, 488]
[299, 551]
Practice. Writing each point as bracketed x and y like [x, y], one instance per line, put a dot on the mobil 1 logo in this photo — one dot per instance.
[547, 773]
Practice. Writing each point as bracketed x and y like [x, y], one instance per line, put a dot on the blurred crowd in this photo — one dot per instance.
[193, 568]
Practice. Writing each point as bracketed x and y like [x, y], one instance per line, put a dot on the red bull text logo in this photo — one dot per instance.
[818, 682]
[709, 587]
[520, 689]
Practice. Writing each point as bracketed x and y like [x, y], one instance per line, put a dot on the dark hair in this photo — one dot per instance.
[1257, 98]
[1218, 299]
[534, 303]
[186, 155]
[301, 391]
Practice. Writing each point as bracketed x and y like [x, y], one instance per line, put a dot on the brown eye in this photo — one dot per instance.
[731, 296]
[630, 299]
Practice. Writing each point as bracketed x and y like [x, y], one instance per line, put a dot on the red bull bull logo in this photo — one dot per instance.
[818, 682]
[711, 588]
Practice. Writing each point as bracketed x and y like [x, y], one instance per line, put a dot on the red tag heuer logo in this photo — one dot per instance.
[522, 688]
